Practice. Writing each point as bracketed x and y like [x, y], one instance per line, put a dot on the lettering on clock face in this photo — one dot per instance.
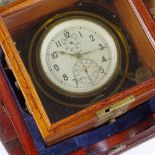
[79, 55]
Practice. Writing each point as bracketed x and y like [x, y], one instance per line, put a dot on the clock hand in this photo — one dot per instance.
[65, 53]
[93, 50]
[86, 71]
[89, 77]
[76, 55]
[79, 55]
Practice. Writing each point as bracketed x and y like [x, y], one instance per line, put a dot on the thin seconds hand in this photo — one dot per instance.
[88, 74]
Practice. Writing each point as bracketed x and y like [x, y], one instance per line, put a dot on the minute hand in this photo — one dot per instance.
[92, 51]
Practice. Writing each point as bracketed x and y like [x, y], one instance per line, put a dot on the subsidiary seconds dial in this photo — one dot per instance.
[78, 56]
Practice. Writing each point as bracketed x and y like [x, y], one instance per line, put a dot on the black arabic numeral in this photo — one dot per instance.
[65, 77]
[92, 38]
[101, 69]
[80, 34]
[56, 67]
[101, 47]
[67, 35]
[104, 59]
[54, 55]
[58, 44]
[75, 81]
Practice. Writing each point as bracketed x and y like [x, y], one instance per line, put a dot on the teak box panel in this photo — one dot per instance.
[87, 118]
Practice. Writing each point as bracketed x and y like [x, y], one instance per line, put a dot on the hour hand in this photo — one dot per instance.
[76, 55]
[65, 53]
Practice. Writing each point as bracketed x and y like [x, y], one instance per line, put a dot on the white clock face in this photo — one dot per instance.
[78, 55]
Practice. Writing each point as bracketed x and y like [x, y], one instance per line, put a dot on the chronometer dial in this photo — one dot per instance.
[79, 55]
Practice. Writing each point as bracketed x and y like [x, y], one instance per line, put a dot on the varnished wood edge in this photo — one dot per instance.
[16, 117]
[145, 18]
[24, 81]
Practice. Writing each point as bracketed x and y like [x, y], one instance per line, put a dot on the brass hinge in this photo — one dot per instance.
[111, 112]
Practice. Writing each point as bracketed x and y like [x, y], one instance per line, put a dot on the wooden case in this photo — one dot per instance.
[142, 30]
[13, 126]
[151, 6]
[121, 142]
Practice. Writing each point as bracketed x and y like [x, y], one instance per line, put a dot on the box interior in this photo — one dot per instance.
[27, 20]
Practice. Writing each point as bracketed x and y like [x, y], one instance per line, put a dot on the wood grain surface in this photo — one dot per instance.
[8, 136]
[124, 140]
[9, 132]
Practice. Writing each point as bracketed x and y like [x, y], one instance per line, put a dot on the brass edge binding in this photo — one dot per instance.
[111, 112]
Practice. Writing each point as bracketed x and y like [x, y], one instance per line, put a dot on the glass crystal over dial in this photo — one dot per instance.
[79, 55]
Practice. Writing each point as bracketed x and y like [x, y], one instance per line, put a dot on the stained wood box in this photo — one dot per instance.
[17, 19]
